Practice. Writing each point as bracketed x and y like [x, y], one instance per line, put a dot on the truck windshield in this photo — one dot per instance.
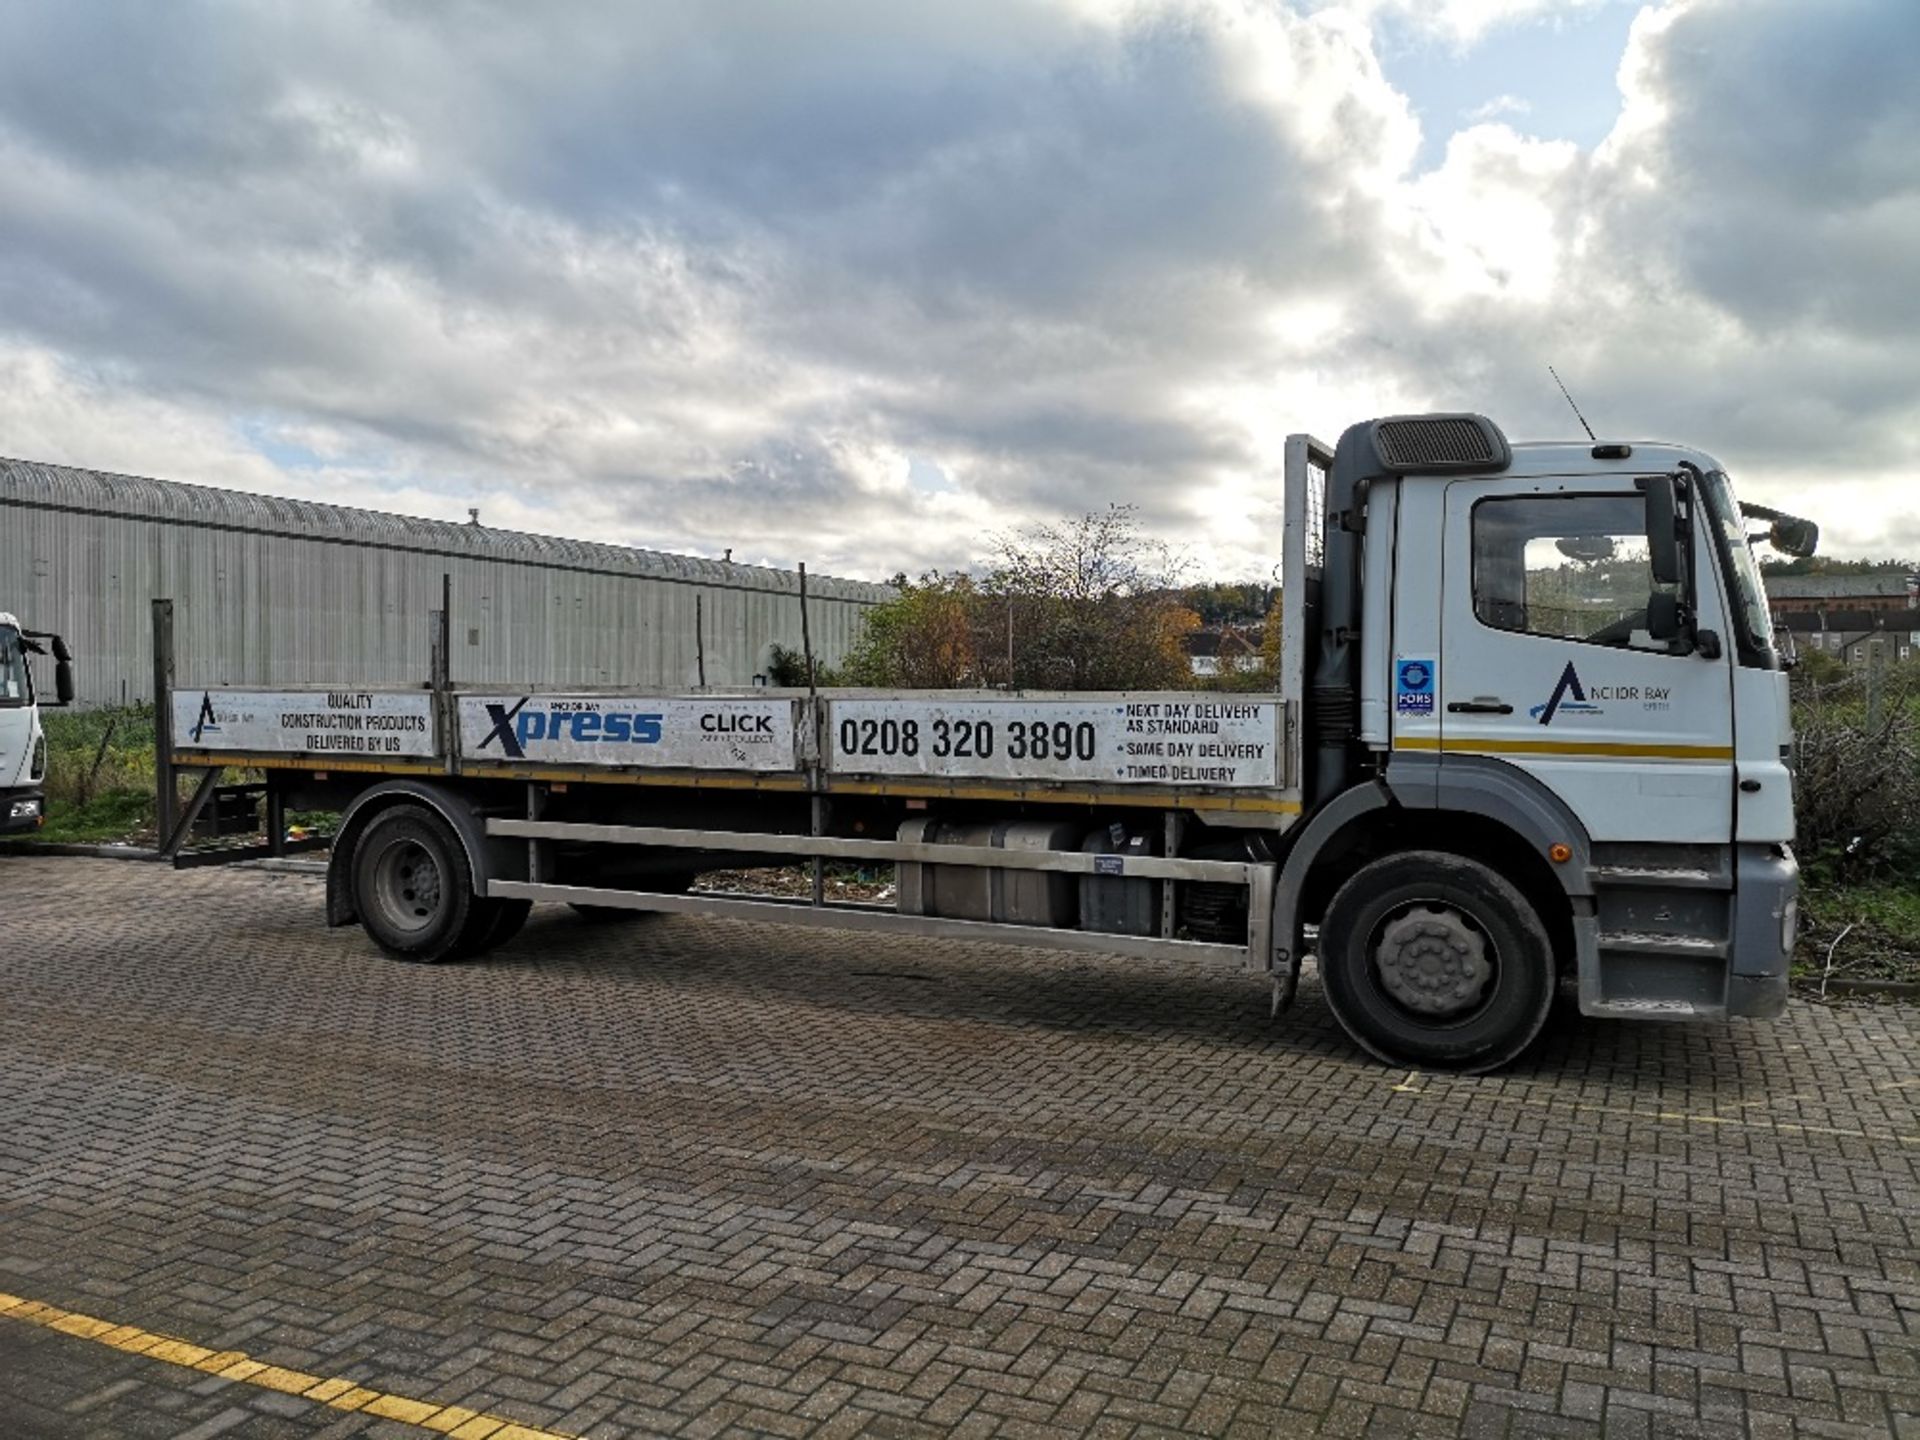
[15, 688]
[1748, 593]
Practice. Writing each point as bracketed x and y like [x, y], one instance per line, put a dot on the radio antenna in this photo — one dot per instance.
[1576, 409]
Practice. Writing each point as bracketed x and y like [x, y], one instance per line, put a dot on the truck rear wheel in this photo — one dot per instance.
[413, 888]
[1435, 961]
[508, 918]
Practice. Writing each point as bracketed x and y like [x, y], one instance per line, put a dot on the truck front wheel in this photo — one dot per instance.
[1435, 961]
[413, 888]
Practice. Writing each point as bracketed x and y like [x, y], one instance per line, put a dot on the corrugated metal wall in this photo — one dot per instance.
[272, 591]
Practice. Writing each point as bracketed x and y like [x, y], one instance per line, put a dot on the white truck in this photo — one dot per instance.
[23, 745]
[1530, 727]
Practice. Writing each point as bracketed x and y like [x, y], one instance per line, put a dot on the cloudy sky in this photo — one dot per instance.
[856, 281]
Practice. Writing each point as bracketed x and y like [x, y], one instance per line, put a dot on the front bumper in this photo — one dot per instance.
[1766, 921]
[22, 812]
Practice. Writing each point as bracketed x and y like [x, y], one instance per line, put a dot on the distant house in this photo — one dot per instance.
[1849, 616]
[1222, 649]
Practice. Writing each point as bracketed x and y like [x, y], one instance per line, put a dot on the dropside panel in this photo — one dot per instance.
[1219, 752]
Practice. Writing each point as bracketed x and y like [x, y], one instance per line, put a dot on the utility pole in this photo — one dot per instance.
[1010, 640]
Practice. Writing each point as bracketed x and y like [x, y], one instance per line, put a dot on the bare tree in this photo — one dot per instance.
[1087, 604]
[1091, 604]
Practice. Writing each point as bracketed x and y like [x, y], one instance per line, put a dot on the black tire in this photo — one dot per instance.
[413, 888]
[508, 917]
[1436, 962]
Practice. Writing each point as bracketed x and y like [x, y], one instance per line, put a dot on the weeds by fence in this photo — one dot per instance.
[1857, 772]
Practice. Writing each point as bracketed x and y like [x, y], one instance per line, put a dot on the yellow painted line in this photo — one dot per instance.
[1604, 749]
[1774, 1100]
[1818, 1097]
[338, 1394]
[1693, 1117]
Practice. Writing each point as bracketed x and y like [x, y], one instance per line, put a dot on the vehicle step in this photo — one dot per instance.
[1654, 1009]
[1662, 877]
[1647, 942]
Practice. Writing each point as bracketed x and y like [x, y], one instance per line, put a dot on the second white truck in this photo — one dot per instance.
[23, 744]
[1530, 726]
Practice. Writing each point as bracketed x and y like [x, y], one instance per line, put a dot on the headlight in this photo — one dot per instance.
[25, 809]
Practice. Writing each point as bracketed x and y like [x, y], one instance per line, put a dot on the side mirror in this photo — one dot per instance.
[1663, 616]
[1663, 531]
[1790, 536]
[63, 680]
[1588, 548]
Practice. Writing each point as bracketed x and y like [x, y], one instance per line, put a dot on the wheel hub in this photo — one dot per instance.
[408, 883]
[1432, 962]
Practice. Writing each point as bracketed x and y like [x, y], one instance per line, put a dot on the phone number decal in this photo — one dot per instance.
[1157, 741]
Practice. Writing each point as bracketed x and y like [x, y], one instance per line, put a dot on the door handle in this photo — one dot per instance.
[1479, 707]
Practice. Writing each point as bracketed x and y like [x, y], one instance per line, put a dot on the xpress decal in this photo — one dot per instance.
[517, 726]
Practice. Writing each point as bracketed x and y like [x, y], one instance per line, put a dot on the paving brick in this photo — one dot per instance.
[705, 1178]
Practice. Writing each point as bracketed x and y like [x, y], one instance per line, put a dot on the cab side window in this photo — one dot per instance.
[1570, 567]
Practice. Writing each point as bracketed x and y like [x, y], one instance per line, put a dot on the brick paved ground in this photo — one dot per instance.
[702, 1178]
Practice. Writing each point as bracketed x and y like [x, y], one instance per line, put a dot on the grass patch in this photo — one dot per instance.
[118, 815]
[1873, 931]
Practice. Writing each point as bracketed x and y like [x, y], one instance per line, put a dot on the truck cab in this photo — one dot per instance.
[1565, 671]
[23, 746]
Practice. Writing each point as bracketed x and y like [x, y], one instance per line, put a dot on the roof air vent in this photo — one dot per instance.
[1439, 444]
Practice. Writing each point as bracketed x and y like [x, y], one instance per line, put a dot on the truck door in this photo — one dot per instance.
[1546, 662]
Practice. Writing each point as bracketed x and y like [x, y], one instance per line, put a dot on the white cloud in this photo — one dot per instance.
[721, 277]
[1498, 106]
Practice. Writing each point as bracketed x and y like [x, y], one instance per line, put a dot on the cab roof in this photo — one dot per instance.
[1575, 457]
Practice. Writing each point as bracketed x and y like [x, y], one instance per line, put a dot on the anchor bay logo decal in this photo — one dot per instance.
[208, 723]
[1569, 698]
